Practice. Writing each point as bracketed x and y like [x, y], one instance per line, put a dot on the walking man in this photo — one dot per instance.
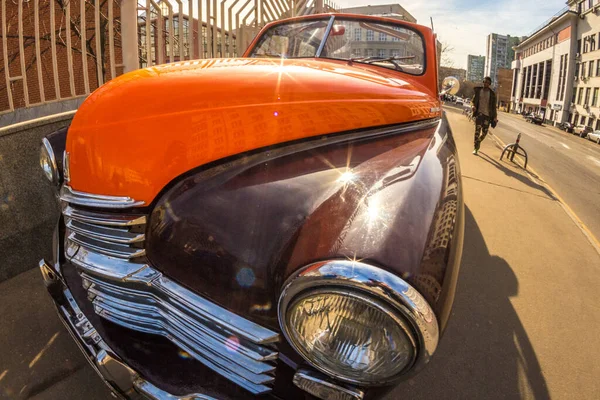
[484, 111]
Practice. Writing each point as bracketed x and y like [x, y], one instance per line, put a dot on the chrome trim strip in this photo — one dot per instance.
[144, 300]
[318, 385]
[104, 233]
[105, 219]
[325, 36]
[66, 171]
[98, 264]
[154, 393]
[69, 195]
[107, 248]
[382, 285]
[50, 151]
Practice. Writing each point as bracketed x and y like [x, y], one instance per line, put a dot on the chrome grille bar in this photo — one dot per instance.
[148, 302]
[103, 218]
[105, 247]
[69, 195]
[105, 233]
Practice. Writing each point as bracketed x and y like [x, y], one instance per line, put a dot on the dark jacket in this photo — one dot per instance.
[492, 107]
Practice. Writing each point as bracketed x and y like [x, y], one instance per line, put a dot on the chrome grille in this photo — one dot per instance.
[120, 236]
[108, 250]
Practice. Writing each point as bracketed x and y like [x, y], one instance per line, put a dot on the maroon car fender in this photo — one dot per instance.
[234, 231]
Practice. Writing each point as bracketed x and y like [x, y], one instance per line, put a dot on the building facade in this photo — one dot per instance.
[585, 105]
[504, 88]
[475, 68]
[543, 69]
[383, 10]
[499, 54]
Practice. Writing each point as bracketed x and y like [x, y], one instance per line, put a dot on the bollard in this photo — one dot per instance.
[513, 149]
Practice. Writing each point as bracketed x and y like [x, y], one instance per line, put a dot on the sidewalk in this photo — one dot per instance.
[525, 317]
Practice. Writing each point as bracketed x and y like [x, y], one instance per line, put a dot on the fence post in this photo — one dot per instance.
[129, 33]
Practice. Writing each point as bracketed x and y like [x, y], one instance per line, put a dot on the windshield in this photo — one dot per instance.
[384, 44]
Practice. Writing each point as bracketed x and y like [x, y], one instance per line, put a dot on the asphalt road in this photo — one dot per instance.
[568, 163]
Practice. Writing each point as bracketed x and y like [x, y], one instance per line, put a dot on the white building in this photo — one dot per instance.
[586, 105]
[544, 67]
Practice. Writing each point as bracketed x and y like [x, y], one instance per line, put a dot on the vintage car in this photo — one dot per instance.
[286, 225]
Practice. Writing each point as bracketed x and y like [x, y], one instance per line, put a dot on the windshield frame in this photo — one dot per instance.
[330, 25]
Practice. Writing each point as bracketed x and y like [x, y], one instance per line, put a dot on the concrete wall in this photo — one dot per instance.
[28, 208]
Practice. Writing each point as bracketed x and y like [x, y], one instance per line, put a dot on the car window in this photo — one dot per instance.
[384, 44]
[387, 45]
[293, 40]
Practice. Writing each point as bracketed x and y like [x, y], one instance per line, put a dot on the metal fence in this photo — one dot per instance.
[53, 50]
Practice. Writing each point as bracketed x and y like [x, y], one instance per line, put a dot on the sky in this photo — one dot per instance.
[465, 24]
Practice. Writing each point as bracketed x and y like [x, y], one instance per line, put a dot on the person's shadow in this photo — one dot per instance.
[485, 352]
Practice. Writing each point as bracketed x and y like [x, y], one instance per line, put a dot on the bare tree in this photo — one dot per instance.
[446, 57]
[99, 56]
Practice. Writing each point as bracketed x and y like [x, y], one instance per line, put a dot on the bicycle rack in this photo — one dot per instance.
[513, 149]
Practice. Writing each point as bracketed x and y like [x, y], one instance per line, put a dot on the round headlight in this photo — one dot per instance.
[350, 336]
[356, 322]
[48, 162]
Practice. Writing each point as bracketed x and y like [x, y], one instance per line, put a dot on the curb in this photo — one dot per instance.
[33, 123]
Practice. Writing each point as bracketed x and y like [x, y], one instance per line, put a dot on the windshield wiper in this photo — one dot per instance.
[373, 59]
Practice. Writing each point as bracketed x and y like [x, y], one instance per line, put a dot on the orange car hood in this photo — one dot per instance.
[138, 132]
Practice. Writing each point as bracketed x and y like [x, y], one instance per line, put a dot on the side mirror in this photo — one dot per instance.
[338, 30]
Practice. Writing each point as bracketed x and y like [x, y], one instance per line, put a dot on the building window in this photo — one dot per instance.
[381, 53]
[587, 97]
[591, 68]
[582, 120]
[598, 124]
[547, 79]
[369, 53]
[583, 69]
[595, 97]
[370, 36]
[382, 37]
[593, 42]
[579, 46]
[357, 34]
[560, 77]
[586, 41]
[580, 96]
[590, 121]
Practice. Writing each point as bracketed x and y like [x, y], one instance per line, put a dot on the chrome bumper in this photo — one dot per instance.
[123, 381]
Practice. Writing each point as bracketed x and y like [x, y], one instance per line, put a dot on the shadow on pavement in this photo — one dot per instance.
[513, 174]
[38, 358]
[485, 352]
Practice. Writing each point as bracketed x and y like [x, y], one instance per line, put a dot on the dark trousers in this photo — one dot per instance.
[482, 125]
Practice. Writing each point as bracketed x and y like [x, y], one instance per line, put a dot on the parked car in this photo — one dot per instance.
[594, 136]
[459, 101]
[231, 229]
[534, 119]
[566, 126]
[582, 130]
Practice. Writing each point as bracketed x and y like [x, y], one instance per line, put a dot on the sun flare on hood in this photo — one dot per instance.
[138, 132]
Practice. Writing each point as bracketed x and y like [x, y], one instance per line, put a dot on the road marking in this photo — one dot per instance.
[568, 210]
[564, 145]
[594, 159]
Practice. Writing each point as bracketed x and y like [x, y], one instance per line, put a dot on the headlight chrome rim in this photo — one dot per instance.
[47, 148]
[375, 283]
